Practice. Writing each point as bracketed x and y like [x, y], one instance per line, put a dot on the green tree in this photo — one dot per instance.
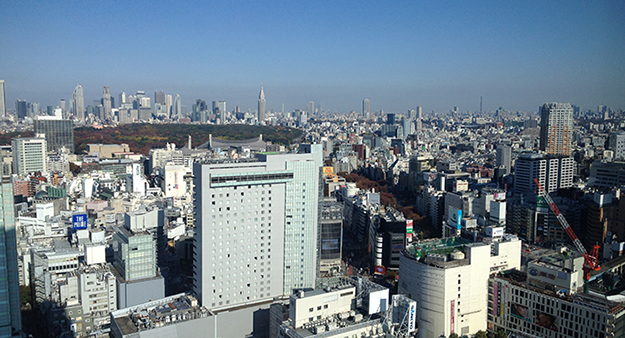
[453, 335]
[502, 334]
[480, 334]
[25, 296]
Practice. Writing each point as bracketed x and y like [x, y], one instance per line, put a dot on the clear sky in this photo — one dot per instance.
[437, 54]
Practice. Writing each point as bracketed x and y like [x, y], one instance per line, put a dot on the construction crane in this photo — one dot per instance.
[590, 260]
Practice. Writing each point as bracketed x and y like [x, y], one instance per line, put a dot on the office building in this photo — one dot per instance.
[58, 133]
[504, 157]
[390, 118]
[257, 230]
[29, 155]
[448, 278]
[78, 103]
[519, 306]
[200, 111]
[219, 109]
[607, 175]
[552, 172]
[159, 97]
[261, 105]
[3, 100]
[310, 109]
[331, 237]
[106, 101]
[177, 107]
[10, 316]
[556, 128]
[616, 143]
[21, 109]
[366, 108]
[168, 104]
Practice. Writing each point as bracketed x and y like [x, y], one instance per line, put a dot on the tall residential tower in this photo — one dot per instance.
[556, 127]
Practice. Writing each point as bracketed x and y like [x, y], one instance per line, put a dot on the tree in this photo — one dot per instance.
[480, 334]
[502, 334]
[453, 335]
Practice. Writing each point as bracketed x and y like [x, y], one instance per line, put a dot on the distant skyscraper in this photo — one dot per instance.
[366, 108]
[390, 118]
[78, 103]
[310, 108]
[556, 126]
[63, 105]
[58, 133]
[261, 105]
[10, 316]
[20, 109]
[177, 107]
[3, 100]
[219, 109]
[106, 101]
[168, 103]
[419, 112]
[159, 97]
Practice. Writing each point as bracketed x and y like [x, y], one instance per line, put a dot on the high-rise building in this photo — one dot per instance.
[63, 105]
[177, 107]
[390, 118]
[552, 172]
[257, 230]
[556, 127]
[261, 105]
[10, 316]
[504, 157]
[310, 108]
[616, 143]
[58, 133]
[21, 109]
[159, 97]
[3, 100]
[366, 108]
[78, 103]
[200, 111]
[168, 103]
[219, 109]
[29, 154]
[134, 254]
[106, 101]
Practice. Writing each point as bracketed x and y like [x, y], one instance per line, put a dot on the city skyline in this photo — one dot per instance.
[401, 55]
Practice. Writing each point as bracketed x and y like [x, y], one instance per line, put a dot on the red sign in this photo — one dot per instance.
[453, 317]
[380, 270]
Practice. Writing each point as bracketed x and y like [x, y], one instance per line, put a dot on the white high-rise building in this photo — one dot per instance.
[177, 107]
[449, 280]
[261, 105]
[552, 172]
[366, 108]
[616, 143]
[257, 228]
[106, 101]
[29, 154]
[3, 100]
[168, 104]
[78, 103]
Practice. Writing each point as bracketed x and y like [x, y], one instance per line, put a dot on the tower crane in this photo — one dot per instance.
[590, 260]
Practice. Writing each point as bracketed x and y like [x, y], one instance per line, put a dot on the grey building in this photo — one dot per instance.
[616, 143]
[106, 101]
[331, 236]
[10, 314]
[261, 105]
[58, 133]
[553, 173]
[257, 227]
[606, 175]
[504, 157]
[78, 103]
[3, 100]
[20, 109]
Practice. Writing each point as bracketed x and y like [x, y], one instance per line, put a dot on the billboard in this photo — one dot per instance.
[79, 221]
[379, 270]
[453, 315]
[459, 220]
[328, 170]
[408, 226]
[547, 321]
[412, 319]
[520, 311]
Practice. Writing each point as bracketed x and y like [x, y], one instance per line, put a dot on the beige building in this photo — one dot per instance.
[107, 150]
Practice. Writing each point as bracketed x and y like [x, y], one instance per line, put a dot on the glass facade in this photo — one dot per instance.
[59, 133]
[134, 254]
[10, 315]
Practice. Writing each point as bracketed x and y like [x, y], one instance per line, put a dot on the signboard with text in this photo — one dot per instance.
[79, 222]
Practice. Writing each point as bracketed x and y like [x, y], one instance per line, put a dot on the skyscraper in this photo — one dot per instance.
[504, 157]
[106, 101]
[366, 108]
[78, 103]
[261, 105]
[159, 97]
[310, 108]
[29, 155]
[58, 133]
[3, 100]
[556, 126]
[177, 107]
[168, 103]
[10, 316]
[219, 109]
[257, 230]
[20, 109]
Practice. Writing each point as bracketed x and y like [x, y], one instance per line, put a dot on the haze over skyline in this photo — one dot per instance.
[438, 54]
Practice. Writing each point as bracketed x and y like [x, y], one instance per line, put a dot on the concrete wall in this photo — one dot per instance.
[138, 292]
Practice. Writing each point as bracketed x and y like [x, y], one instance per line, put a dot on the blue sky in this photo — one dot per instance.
[437, 54]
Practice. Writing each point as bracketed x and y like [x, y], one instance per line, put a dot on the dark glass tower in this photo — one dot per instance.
[59, 133]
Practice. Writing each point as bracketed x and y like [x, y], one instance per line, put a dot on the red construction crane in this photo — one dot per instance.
[590, 260]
